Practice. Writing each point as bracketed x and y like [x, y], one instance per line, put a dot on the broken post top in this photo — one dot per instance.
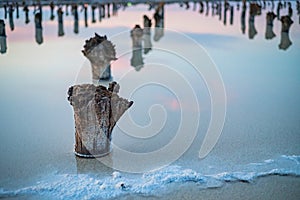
[99, 48]
[85, 92]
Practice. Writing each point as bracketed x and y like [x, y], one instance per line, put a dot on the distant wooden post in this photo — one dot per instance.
[96, 111]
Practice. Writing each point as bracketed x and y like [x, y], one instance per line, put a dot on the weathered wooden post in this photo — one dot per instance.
[96, 108]
[96, 111]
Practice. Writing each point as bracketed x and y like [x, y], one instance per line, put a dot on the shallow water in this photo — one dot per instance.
[262, 89]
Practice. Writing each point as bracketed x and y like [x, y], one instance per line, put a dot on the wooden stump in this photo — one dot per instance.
[96, 111]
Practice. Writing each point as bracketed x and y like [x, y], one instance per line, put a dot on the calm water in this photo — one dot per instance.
[261, 78]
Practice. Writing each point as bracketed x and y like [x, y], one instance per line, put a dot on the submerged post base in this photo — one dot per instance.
[92, 156]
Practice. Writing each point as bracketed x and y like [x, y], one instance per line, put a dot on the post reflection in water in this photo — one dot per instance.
[67, 9]
[5, 11]
[285, 41]
[226, 5]
[201, 9]
[222, 9]
[269, 28]
[231, 15]
[147, 34]
[85, 7]
[194, 6]
[52, 11]
[76, 18]
[108, 10]
[290, 10]
[213, 7]
[279, 7]
[159, 22]
[60, 22]
[136, 60]
[11, 17]
[100, 52]
[207, 8]
[17, 11]
[26, 10]
[243, 17]
[38, 28]
[298, 9]
[3, 46]
[93, 13]
[100, 12]
[255, 10]
[115, 9]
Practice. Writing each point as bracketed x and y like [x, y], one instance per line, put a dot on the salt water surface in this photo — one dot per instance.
[260, 137]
